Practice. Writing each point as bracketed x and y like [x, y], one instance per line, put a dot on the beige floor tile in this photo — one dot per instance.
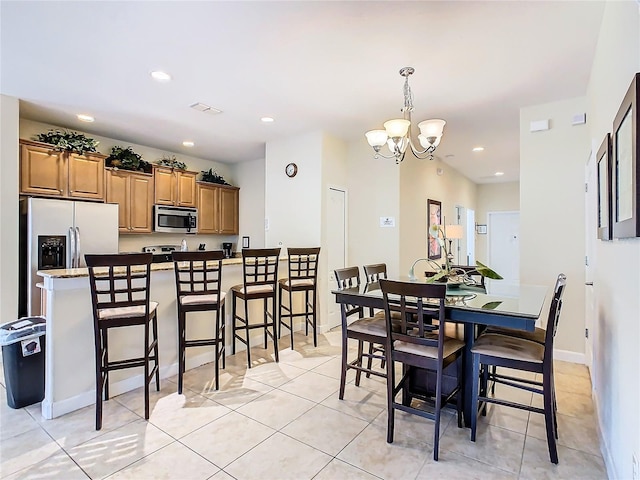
[572, 464]
[331, 368]
[579, 434]
[451, 466]
[325, 429]
[119, 448]
[162, 463]
[370, 451]
[337, 469]
[274, 374]
[305, 357]
[416, 427]
[226, 439]
[238, 392]
[221, 475]
[494, 446]
[276, 408]
[14, 421]
[26, 450]
[512, 419]
[80, 426]
[358, 402]
[57, 466]
[574, 369]
[573, 383]
[571, 404]
[312, 386]
[282, 456]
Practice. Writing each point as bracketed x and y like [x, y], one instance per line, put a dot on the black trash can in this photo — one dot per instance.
[23, 353]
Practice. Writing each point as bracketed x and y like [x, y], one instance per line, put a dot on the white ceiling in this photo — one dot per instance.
[330, 66]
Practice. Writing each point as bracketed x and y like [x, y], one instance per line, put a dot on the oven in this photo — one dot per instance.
[168, 219]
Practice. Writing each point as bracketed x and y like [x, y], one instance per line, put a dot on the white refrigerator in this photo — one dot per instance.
[88, 227]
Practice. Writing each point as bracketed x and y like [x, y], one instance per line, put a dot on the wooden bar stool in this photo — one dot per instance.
[260, 269]
[303, 274]
[120, 296]
[198, 278]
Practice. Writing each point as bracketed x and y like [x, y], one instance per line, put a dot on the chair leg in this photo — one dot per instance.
[314, 318]
[246, 317]
[370, 360]
[291, 316]
[474, 395]
[391, 382]
[216, 346]
[99, 379]
[223, 337]
[181, 348]
[359, 372]
[155, 350]
[460, 395]
[105, 344]
[279, 310]
[233, 322]
[265, 319]
[275, 337]
[549, 417]
[343, 371]
[146, 371]
[436, 433]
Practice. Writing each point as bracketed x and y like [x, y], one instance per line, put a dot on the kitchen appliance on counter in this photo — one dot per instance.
[57, 234]
[168, 219]
[161, 253]
[227, 249]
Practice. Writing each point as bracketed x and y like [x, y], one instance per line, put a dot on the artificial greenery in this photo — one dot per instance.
[127, 159]
[68, 141]
[212, 177]
[172, 162]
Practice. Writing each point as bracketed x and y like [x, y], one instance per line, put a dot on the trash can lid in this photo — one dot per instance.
[21, 329]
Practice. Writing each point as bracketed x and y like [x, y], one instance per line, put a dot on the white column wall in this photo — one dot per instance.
[250, 177]
[617, 263]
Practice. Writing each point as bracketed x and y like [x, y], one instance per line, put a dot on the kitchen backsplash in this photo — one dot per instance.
[134, 243]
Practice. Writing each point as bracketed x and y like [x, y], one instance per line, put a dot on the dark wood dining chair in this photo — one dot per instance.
[198, 278]
[419, 345]
[120, 297]
[363, 329]
[375, 272]
[494, 349]
[303, 277]
[260, 276]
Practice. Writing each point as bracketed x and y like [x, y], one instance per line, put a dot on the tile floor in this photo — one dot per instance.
[277, 421]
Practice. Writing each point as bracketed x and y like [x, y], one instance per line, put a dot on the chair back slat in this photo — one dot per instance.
[375, 272]
[554, 312]
[198, 273]
[260, 266]
[119, 280]
[303, 263]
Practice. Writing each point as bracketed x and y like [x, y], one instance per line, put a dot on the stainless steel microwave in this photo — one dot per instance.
[170, 219]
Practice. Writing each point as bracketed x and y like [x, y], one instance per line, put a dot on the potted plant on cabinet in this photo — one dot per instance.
[172, 162]
[68, 141]
[211, 176]
[127, 159]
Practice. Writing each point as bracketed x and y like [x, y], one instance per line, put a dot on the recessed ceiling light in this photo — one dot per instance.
[85, 118]
[188, 143]
[499, 174]
[160, 76]
[267, 120]
[478, 149]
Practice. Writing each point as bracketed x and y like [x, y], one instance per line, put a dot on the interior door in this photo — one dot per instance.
[337, 247]
[470, 233]
[504, 251]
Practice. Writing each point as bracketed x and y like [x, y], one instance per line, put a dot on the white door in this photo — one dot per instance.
[96, 228]
[504, 251]
[336, 247]
[470, 234]
[590, 240]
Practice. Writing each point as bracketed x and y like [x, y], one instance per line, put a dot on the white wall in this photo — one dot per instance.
[494, 197]
[616, 277]
[9, 154]
[552, 215]
[250, 177]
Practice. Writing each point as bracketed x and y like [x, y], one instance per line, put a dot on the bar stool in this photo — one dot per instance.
[260, 270]
[120, 297]
[198, 278]
[303, 274]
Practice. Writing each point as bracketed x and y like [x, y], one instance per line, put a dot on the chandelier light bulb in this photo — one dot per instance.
[376, 138]
[397, 127]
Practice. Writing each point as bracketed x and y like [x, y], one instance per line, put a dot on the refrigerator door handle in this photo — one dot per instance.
[78, 247]
[72, 244]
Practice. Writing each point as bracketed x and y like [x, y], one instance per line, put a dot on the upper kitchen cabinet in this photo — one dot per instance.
[218, 209]
[47, 172]
[175, 187]
[133, 192]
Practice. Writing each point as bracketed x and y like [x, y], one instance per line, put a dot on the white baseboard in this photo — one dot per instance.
[569, 356]
[604, 448]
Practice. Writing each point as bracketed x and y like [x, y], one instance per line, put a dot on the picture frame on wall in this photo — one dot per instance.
[625, 171]
[604, 209]
[434, 217]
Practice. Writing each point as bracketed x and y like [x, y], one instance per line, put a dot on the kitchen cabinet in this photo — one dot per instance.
[218, 208]
[174, 187]
[47, 172]
[133, 192]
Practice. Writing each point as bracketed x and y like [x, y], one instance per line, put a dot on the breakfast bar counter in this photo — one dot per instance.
[70, 356]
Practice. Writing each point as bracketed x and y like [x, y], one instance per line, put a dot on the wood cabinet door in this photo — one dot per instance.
[164, 186]
[86, 176]
[117, 191]
[186, 189]
[43, 171]
[141, 203]
[208, 207]
[229, 203]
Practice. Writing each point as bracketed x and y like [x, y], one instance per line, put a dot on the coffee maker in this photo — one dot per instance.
[226, 248]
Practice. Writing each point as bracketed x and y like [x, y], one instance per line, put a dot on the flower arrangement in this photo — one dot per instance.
[68, 141]
[172, 162]
[127, 159]
[212, 177]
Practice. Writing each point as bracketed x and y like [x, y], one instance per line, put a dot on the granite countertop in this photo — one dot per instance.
[155, 267]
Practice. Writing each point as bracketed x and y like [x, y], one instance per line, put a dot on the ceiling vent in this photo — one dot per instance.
[201, 107]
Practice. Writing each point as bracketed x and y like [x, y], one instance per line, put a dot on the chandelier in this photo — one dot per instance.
[397, 132]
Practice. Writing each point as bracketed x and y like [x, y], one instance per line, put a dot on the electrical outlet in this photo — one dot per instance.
[636, 468]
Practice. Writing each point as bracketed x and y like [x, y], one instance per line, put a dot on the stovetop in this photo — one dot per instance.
[161, 253]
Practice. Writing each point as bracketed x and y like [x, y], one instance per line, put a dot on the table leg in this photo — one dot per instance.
[469, 334]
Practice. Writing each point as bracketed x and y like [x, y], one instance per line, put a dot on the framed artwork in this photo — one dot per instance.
[434, 217]
[626, 175]
[603, 160]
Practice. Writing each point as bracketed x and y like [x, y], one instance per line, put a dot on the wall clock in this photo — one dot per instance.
[291, 170]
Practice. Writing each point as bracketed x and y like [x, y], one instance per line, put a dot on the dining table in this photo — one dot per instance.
[468, 305]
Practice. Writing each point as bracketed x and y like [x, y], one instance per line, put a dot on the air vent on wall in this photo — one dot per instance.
[201, 107]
